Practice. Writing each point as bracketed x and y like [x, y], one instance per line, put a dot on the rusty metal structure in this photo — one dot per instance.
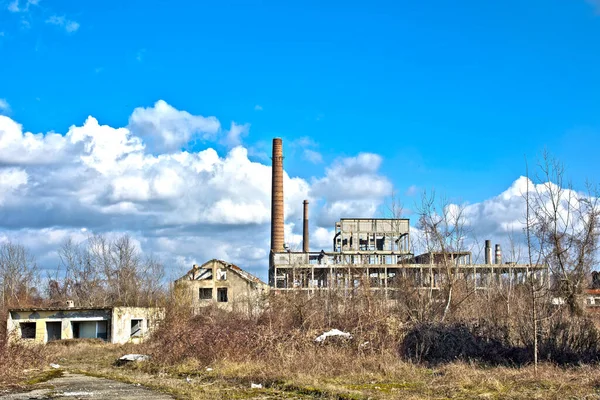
[376, 253]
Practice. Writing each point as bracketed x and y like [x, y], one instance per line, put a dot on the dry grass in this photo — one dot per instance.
[19, 362]
[327, 372]
[219, 354]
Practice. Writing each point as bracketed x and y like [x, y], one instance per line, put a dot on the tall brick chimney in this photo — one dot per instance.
[277, 238]
[305, 244]
[277, 235]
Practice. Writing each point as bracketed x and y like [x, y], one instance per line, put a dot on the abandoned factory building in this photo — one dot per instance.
[112, 324]
[222, 283]
[376, 253]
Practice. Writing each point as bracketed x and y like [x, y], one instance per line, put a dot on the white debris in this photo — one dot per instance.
[188, 379]
[256, 386]
[365, 344]
[55, 365]
[208, 369]
[77, 394]
[134, 357]
[333, 332]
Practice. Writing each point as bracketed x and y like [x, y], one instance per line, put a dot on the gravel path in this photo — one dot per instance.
[74, 386]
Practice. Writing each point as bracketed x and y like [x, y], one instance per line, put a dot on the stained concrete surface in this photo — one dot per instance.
[75, 386]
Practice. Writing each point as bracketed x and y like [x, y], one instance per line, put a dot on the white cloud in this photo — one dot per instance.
[353, 188]
[412, 190]
[4, 106]
[21, 6]
[13, 6]
[595, 4]
[185, 206]
[103, 179]
[140, 55]
[313, 156]
[258, 107]
[10, 180]
[69, 25]
[235, 134]
[18, 147]
[164, 128]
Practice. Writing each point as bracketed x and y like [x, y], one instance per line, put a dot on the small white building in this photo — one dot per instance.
[112, 324]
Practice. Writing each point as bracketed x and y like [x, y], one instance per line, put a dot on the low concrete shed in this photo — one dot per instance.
[112, 324]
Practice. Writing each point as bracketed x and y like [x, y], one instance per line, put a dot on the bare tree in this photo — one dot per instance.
[444, 231]
[83, 281]
[18, 275]
[562, 229]
[151, 276]
[566, 227]
[104, 272]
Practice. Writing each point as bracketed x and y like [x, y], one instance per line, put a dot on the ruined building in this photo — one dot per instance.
[111, 324]
[222, 283]
[374, 252]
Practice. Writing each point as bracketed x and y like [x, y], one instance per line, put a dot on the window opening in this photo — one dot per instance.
[136, 327]
[27, 330]
[205, 293]
[53, 329]
[222, 295]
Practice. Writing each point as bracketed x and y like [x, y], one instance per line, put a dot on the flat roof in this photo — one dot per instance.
[376, 219]
[63, 308]
[59, 308]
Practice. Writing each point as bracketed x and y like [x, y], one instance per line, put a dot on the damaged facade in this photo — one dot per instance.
[222, 283]
[111, 324]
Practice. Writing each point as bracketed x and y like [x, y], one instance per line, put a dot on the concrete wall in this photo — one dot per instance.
[121, 322]
[64, 317]
[118, 322]
[242, 294]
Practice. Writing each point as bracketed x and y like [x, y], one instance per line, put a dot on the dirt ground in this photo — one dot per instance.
[75, 386]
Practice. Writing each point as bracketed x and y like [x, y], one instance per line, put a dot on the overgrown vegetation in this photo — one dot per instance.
[417, 341]
[16, 359]
[389, 356]
[98, 272]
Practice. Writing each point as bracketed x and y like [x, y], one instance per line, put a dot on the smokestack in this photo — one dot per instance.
[305, 244]
[488, 252]
[498, 259]
[277, 239]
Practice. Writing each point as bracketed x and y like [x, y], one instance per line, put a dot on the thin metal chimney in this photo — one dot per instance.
[498, 259]
[277, 238]
[305, 243]
[488, 252]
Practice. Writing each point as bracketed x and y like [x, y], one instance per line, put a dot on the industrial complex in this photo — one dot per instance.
[371, 253]
[374, 253]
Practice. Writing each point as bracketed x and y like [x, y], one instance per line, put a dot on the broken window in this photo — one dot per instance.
[203, 274]
[102, 330]
[90, 329]
[221, 274]
[53, 329]
[27, 330]
[205, 293]
[222, 295]
[136, 327]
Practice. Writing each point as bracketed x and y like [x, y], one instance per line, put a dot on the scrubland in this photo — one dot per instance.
[393, 353]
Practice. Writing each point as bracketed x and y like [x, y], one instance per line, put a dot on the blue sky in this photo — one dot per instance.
[452, 95]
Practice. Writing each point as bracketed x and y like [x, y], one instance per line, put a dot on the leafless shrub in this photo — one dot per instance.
[16, 358]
